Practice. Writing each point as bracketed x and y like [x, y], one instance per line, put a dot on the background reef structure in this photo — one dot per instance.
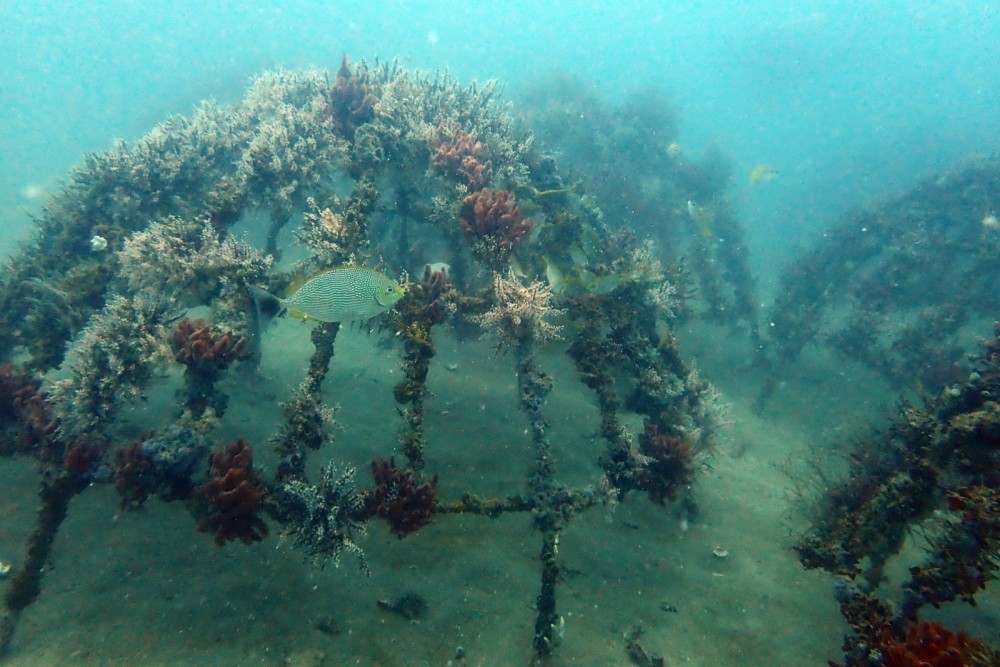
[936, 470]
[897, 287]
[625, 153]
[374, 163]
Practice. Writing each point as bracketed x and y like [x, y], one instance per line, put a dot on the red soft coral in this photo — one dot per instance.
[459, 155]
[399, 499]
[351, 100]
[205, 348]
[928, 644]
[493, 219]
[668, 466]
[25, 414]
[234, 493]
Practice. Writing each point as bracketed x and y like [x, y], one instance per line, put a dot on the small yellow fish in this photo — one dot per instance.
[516, 267]
[579, 257]
[590, 242]
[664, 333]
[554, 276]
[548, 193]
[762, 173]
[605, 285]
[703, 217]
[337, 295]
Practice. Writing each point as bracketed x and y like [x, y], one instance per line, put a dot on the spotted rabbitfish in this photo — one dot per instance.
[337, 295]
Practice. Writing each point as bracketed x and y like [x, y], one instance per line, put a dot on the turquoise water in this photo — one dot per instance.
[850, 103]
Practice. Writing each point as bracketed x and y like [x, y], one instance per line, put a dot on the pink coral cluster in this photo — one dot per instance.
[459, 155]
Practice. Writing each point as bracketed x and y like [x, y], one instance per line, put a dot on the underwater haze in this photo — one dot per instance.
[500, 333]
[851, 101]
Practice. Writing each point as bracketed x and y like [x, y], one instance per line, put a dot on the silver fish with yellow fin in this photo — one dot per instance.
[337, 295]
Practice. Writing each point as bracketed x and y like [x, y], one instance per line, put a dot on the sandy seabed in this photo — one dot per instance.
[145, 588]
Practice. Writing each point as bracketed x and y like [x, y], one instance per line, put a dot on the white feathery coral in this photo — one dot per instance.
[520, 312]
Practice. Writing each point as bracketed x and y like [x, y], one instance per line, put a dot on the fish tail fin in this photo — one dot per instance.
[266, 307]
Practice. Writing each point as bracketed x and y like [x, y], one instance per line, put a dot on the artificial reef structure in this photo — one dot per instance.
[932, 472]
[909, 522]
[901, 287]
[625, 152]
[138, 272]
